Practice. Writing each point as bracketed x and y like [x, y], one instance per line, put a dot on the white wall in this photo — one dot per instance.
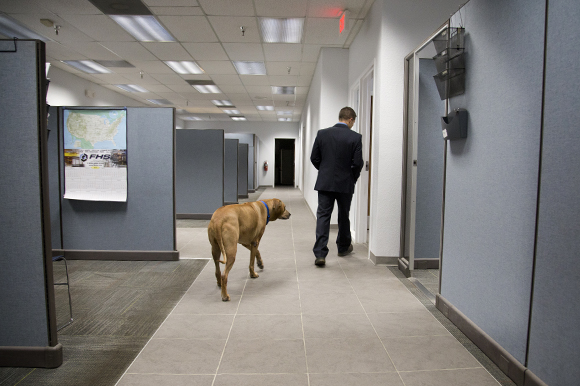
[266, 132]
[66, 89]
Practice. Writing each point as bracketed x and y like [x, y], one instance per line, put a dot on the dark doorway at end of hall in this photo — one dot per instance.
[284, 163]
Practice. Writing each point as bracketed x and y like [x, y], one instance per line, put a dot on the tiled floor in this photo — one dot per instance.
[349, 323]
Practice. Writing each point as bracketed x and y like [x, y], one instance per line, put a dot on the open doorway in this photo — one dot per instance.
[284, 162]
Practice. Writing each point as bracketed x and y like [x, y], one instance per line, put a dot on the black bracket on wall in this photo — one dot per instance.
[454, 125]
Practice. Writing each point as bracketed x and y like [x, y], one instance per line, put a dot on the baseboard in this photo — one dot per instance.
[380, 260]
[194, 216]
[504, 360]
[426, 263]
[403, 265]
[532, 379]
[71, 254]
[252, 191]
[41, 357]
[231, 203]
[243, 196]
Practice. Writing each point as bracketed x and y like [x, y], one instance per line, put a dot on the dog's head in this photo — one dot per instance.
[278, 210]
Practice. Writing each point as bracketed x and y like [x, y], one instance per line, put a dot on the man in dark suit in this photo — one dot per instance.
[337, 154]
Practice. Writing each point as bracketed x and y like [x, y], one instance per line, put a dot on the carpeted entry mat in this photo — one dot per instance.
[117, 307]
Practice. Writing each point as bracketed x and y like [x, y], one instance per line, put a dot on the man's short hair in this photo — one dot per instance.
[346, 113]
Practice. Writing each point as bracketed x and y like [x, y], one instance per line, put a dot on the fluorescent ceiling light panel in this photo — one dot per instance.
[207, 89]
[222, 103]
[87, 66]
[239, 118]
[283, 89]
[284, 112]
[250, 68]
[131, 87]
[281, 30]
[265, 108]
[12, 29]
[160, 101]
[284, 119]
[144, 28]
[232, 112]
[184, 67]
[192, 118]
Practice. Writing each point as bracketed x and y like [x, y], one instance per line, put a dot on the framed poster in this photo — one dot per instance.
[95, 154]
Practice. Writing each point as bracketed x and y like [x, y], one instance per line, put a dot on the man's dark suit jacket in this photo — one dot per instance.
[337, 154]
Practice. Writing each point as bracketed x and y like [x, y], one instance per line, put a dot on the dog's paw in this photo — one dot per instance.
[261, 266]
[254, 275]
[226, 299]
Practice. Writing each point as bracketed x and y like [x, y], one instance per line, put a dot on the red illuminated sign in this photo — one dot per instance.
[341, 23]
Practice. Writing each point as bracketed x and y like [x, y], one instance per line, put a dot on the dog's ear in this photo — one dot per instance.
[275, 203]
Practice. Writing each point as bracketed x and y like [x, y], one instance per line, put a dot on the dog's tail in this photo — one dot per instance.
[220, 240]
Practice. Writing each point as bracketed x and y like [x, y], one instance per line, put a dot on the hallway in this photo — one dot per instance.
[349, 323]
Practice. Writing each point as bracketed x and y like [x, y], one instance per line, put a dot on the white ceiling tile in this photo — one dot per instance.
[92, 50]
[99, 27]
[217, 67]
[255, 80]
[227, 80]
[323, 31]
[307, 68]
[168, 51]
[176, 11]
[304, 80]
[206, 51]
[281, 8]
[111, 78]
[196, 77]
[135, 78]
[180, 87]
[310, 52]
[130, 51]
[253, 90]
[168, 79]
[281, 80]
[152, 66]
[244, 51]
[67, 7]
[21, 6]
[282, 52]
[330, 8]
[62, 52]
[171, 3]
[156, 88]
[232, 89]
[228, 29]
[281, 68]
[67, 32]
[189, 28]
[228, 7]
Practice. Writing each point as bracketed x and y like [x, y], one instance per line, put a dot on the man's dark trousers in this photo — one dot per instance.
[325, 207]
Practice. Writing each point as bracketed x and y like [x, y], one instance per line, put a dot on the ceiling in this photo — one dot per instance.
[207, 32]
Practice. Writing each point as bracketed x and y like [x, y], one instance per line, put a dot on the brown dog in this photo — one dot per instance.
[243, 224]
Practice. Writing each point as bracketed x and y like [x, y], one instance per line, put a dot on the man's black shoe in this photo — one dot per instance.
[349, 250]
[320, 261]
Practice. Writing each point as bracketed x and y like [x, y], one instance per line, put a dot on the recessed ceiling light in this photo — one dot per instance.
[283, 89]
[160, 101]
[284, 112]
[265, 108]
[131, 87]
[281, 30]
[13, 29]
[191, 118]
[239, 118]
[144, 28]
[250, 68]
[87, 66]
[205, 86]
[222, 103]
[284, 119]
[232, 112]
[184, 67]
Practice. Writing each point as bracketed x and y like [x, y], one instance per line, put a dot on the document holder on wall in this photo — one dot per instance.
[454, 125]
[450, 62]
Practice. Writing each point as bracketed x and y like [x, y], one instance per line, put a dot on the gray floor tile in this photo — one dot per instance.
[338, 326]
[212, 304]
[184, 326]
[179, 356]
[330, 303]
[347, 356]
[462, 377]
[335, 286]
[263, 356]
[429, 353]
[168, 379]
[421, 323]
[270, 287]
[261, 380]
[356, 379]
[249, 327]
[257, 303]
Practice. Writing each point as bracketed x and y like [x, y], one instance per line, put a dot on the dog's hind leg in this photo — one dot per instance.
[215, 252]
[230, 250]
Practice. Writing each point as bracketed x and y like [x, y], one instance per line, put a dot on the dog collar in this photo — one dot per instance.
[268, 211]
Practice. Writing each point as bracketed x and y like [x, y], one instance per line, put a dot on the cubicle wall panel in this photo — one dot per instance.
[199, 171]
[554, 333]
[23, 299]
[243, 170]
[146, 221]
[492, 175]
[53, 173]
[430, 157]
[231, 171]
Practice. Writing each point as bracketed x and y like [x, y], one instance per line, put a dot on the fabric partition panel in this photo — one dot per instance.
[492, 175]
[243, 170]
[248, 139]
[143, 228]
[554, 334]
[200, 172]
[54, 178]
[231, 171]
[430, 157]
[28, 323]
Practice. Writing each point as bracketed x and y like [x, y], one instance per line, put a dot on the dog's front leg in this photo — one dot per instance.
[253, 253]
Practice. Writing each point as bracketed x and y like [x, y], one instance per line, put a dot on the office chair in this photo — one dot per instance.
[61, 258]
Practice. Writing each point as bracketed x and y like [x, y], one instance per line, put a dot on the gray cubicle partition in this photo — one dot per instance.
[143, 228]
[54, 179]
[231, 171]
[243, 170]
[28, 336]
[250, 140]
[199, 173]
